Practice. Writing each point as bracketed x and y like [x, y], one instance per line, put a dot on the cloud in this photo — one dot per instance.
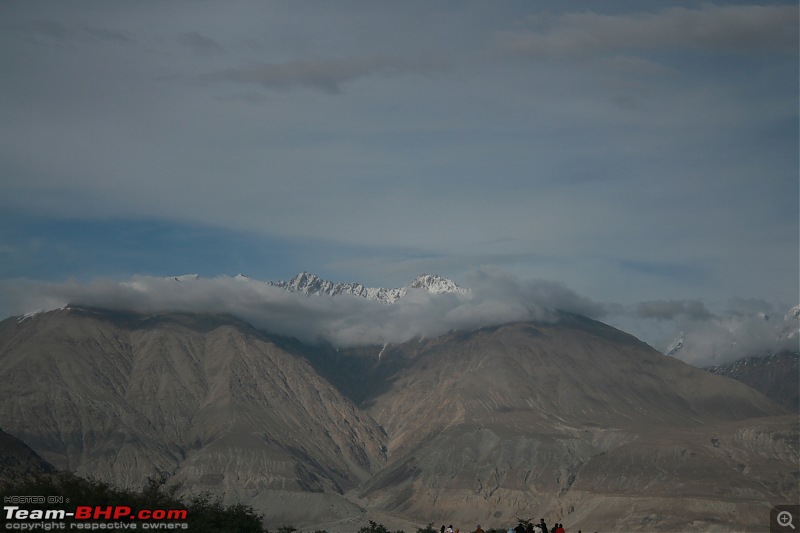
[546, 293]
[670, 309]
[752, 29]
[51, 33]
[495, 298]
[749, 306]
[200, 44]
[344, 320]
[323, 74]
[732, 337]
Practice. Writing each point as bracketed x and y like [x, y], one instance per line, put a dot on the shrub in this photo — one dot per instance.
[206, 514]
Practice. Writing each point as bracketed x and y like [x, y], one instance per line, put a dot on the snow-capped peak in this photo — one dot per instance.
[310, 284]
[436, 284]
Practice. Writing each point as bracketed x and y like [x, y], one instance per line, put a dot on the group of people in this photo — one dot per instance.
[541, 527]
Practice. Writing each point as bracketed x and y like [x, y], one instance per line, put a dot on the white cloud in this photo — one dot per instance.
[344, 320]
[728, 338]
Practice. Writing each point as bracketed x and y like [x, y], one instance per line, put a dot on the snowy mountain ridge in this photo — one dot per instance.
[310, 284]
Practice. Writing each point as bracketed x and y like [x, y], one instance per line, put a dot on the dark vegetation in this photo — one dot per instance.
[23, 473]
[204, 512]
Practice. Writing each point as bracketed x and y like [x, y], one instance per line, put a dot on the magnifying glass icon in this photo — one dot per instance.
[785, 519]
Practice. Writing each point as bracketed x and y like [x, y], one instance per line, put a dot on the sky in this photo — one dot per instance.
[641, 156]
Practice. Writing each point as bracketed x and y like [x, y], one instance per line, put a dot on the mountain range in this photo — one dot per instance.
[305, 283]
[568, 419]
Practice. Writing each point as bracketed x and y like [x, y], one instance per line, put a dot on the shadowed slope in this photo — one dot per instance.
[118, 395]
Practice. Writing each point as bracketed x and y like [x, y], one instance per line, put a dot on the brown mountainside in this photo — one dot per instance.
[530, 376]
[777, 376]
[533, 418]
[118, 396]
[575, 421]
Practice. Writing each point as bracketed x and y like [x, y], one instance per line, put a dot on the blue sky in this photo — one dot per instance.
[633, 151]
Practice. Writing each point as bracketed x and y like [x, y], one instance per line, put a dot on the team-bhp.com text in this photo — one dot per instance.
[86, 517]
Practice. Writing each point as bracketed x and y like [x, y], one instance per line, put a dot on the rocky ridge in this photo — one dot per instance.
[310, 284]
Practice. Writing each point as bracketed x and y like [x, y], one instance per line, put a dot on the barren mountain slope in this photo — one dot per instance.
[118, 396]
[577, 372]
[572, 420]
[777, 376]
[534, 418]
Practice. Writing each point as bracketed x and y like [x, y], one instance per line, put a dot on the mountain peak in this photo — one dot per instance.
[436, 284]
[311, 284]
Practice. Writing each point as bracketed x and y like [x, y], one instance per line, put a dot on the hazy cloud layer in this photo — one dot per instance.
[344, 320]
[727, 338]
[669, 309]
[46, 32]
[623, 151]
[326, 75]
[200, 44]
[753, 29]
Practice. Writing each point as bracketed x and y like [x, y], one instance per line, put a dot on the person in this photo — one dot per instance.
[543, 526]
[478, 529]
[449, 529]
[442, 528]
[519, 529]
[560, 528]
